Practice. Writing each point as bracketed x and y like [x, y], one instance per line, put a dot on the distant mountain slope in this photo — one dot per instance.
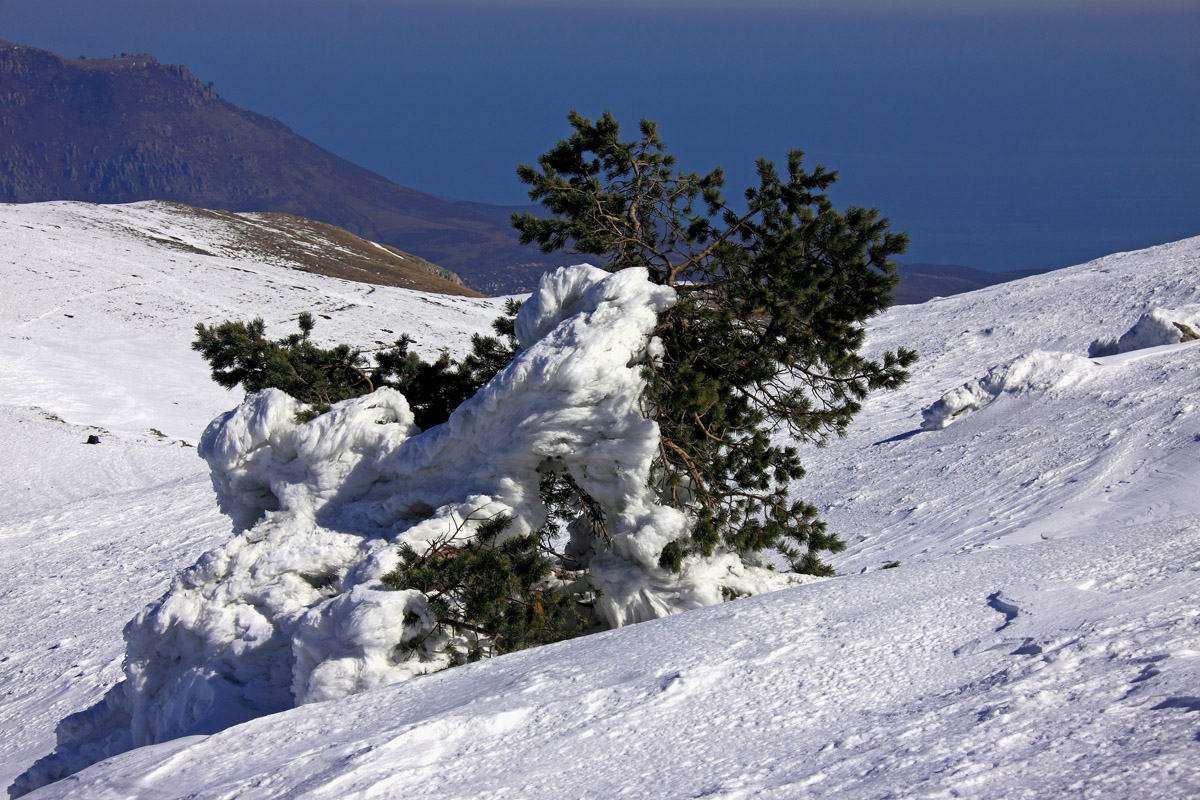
[300, 243]
[119, 130]
[921, 282]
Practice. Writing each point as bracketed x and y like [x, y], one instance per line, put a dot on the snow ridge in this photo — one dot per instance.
[1156, 327]
[1038, 372]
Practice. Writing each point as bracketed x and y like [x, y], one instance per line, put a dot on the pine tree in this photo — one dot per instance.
[240, 354]
[495, 594]
[763, 350]
[760, 355]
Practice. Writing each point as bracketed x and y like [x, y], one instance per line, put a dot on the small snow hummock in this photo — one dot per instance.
[292, 609]
[1158, 326]
[1035, 372]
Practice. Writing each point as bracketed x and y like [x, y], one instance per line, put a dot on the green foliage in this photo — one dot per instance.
[764, 344]
[499, 594]
[241, 355]
[671, 557]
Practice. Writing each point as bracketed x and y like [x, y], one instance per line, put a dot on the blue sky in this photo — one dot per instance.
[1001, 136]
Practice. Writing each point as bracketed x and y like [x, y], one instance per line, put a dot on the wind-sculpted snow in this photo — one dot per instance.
[292, 610]
[1038, 372]
[1156, 327]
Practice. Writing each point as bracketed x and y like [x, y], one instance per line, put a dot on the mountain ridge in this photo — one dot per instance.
[128, 128]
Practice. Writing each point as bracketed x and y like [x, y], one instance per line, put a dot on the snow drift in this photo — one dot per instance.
[1158, 326]
[292, 610]
[1039, 372]
[1035, 373]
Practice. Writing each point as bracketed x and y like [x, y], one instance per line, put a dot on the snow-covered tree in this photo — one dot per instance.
[747, 346]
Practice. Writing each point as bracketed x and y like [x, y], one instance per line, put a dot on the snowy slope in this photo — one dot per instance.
[100, 304]
[96, 318]
[903, 683]
[1064, 448]
[1040, 638]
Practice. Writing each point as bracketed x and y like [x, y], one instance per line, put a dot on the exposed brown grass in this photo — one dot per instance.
[304, 244]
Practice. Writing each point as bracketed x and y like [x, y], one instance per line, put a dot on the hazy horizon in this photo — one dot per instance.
[998, 137]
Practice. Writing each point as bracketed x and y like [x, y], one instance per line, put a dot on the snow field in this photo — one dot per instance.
[100, 305]
[913, 682]
[88, 534]
[96, 319]
[1039, 639]
[1040, 441]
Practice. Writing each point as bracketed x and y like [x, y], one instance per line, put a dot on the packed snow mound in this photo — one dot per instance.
[292, 610]
[1036, 373]
[1157, 327]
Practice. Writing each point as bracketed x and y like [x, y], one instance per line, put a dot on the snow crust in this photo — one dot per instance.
[1039, 638]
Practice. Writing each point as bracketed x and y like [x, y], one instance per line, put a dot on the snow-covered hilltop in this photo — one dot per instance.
[1039, 637]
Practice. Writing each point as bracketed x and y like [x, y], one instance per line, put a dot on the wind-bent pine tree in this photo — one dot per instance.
[760, 355]
[763, 350]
